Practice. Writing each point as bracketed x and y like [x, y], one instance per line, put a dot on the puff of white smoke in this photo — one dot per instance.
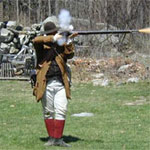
[61, 41]
[65, 20]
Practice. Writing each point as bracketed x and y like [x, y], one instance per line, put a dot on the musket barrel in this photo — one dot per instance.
[104, 32]
[95, 32]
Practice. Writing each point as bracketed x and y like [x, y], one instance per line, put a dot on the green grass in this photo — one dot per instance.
[114, 126]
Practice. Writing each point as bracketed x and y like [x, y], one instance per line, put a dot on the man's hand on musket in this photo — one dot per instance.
[73, 35]
[61, 39]
[57, 36]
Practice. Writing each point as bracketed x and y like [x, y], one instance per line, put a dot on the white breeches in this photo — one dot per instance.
[54, 100]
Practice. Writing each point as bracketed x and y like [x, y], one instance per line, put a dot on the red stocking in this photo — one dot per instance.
[50, 126]
[59, 127]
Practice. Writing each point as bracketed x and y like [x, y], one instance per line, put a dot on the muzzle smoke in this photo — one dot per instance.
[64, 22]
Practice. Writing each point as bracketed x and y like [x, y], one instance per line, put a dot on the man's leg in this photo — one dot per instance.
[49, 123]
[48, 111]
[60, 107]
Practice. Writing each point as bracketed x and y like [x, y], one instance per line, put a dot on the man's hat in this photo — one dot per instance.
[50, 27]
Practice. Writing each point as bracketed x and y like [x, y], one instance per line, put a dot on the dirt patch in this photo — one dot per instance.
[114, 69]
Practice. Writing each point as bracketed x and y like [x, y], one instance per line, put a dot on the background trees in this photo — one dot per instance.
[87, 15]
[119, 13]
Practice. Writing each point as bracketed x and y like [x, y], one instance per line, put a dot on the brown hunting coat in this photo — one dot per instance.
[45, 47]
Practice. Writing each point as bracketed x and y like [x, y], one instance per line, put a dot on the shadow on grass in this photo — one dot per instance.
[70, 138]
[44, 139]
[67, 139]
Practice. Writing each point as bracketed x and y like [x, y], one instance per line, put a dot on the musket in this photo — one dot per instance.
[145, 30]
[103, 32]
[67, 33]
[74, 33]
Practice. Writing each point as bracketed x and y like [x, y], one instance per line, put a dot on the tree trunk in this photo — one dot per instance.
[49, 7]
[39, 11]
[17, 3]
[29, 12]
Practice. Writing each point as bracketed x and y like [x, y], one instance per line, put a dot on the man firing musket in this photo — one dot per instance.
[53, 48]
[52, 86]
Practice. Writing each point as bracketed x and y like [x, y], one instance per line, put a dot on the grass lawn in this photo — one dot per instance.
[121, 118]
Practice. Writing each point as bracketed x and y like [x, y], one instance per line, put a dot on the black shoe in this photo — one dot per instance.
[50, 142]
[60, 142]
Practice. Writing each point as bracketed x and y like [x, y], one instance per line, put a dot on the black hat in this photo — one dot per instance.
[50, 27]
